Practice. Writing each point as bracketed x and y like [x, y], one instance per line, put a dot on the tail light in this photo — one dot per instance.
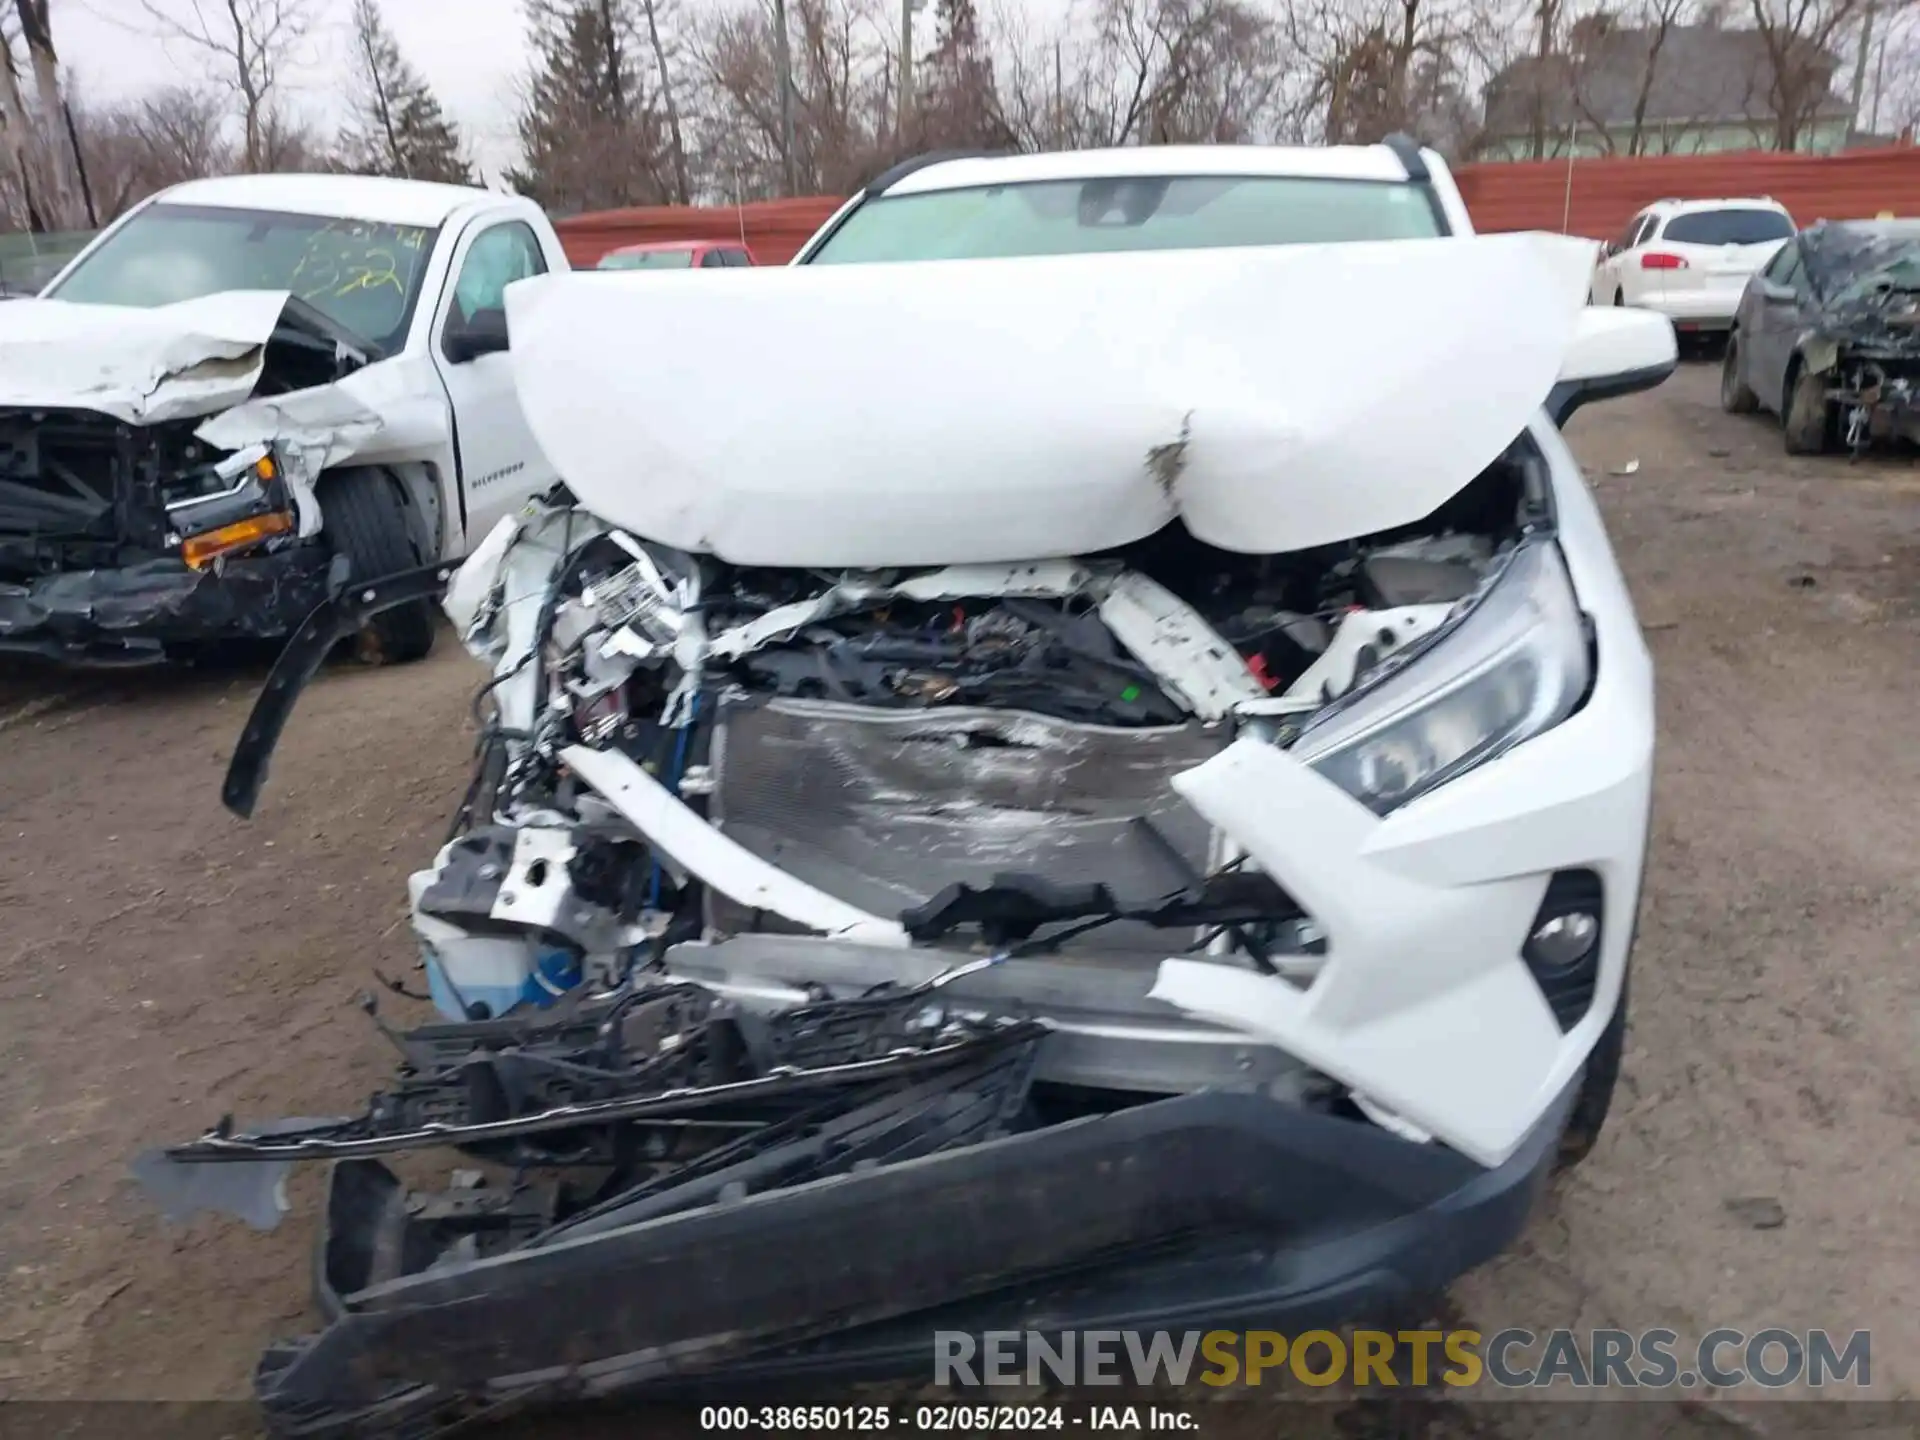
[1660, 260]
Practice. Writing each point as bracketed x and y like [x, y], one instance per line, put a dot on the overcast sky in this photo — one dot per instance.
[471, 51]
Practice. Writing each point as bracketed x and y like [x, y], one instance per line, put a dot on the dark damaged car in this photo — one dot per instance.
[1040, 790]
[1827, 337]
[246, 393]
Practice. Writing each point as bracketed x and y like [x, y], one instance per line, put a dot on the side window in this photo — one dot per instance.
[1796, 275]
[713, 260]
[1647, 227]
[499, 255]
[738, 258]
[1780, 268]
[1627, 240]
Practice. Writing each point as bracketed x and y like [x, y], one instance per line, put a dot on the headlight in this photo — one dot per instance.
[1517, 665]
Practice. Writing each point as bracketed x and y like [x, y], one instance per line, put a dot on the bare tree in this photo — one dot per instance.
[650, 11]
[1895, 106]
[1656, 19]
[181, 132]
[1619, 59]
[1799, 39]
[250, 43]
[134, 148]
[62, 161]
[23, 146]
[1152, 71]
[842, 66]
[1386, 66]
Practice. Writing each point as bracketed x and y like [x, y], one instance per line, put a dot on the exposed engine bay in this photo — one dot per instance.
[977, 753]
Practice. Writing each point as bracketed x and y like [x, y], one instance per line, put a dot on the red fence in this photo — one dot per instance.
[1604, 194]
[1591, 197]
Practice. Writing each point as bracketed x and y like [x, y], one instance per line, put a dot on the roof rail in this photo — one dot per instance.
[1406, 150]
[888, 178]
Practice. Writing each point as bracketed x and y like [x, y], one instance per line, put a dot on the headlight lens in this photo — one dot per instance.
[1516, 666]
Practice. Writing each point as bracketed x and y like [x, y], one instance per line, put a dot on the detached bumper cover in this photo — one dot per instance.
[139, 610]
[1195, 1211]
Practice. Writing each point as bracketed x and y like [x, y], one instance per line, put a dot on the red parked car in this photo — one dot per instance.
[677, 255]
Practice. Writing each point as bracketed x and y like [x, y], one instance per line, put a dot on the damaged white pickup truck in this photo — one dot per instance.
[1042, 792]
[250, 391]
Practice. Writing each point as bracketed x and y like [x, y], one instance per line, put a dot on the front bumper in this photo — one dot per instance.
[136, 614]
[1195, 1212]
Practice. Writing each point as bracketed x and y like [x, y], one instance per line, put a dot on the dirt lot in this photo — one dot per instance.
[161, 962]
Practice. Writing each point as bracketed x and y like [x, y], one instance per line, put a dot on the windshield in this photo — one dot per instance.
[1065, 217]
[1728, 227]
[647, 260]
[361, 275]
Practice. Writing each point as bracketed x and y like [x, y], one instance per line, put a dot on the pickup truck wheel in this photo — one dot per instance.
[1736, 396]
[1595, 1099]
[364, 513]
[1806, 419]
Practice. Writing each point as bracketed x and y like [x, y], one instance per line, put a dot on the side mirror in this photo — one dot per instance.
[1774, 293]
[484, 333]
[1615, 351]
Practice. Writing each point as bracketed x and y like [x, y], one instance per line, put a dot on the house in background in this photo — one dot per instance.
[1697, 89]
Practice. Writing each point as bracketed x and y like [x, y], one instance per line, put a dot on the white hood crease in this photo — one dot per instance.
[971, 411]
[140, 365]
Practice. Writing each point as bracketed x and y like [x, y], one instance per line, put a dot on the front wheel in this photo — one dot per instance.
[363, 513]
[1736, 396]
[1806, 419]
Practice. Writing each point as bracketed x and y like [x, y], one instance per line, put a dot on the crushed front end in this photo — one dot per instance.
[1150, 840]
[1865, 340]
[830, 957]
[119, 542]
[129, 530]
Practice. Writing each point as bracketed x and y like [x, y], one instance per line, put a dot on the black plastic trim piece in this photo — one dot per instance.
[888, 178]
[330, 622]
[1406, 150]
[1569, 395]
[1183, 1213]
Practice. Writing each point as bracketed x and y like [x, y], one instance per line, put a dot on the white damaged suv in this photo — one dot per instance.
[1096, 779]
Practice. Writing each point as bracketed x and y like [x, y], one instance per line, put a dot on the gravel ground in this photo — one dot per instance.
[161, 962]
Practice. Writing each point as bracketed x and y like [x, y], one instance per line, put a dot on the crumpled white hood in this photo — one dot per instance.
[959, 411]
[138, 365]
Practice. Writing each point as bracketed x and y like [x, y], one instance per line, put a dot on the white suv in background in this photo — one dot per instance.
[1691, 259]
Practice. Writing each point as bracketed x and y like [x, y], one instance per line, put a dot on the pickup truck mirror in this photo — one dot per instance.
[483, 333]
